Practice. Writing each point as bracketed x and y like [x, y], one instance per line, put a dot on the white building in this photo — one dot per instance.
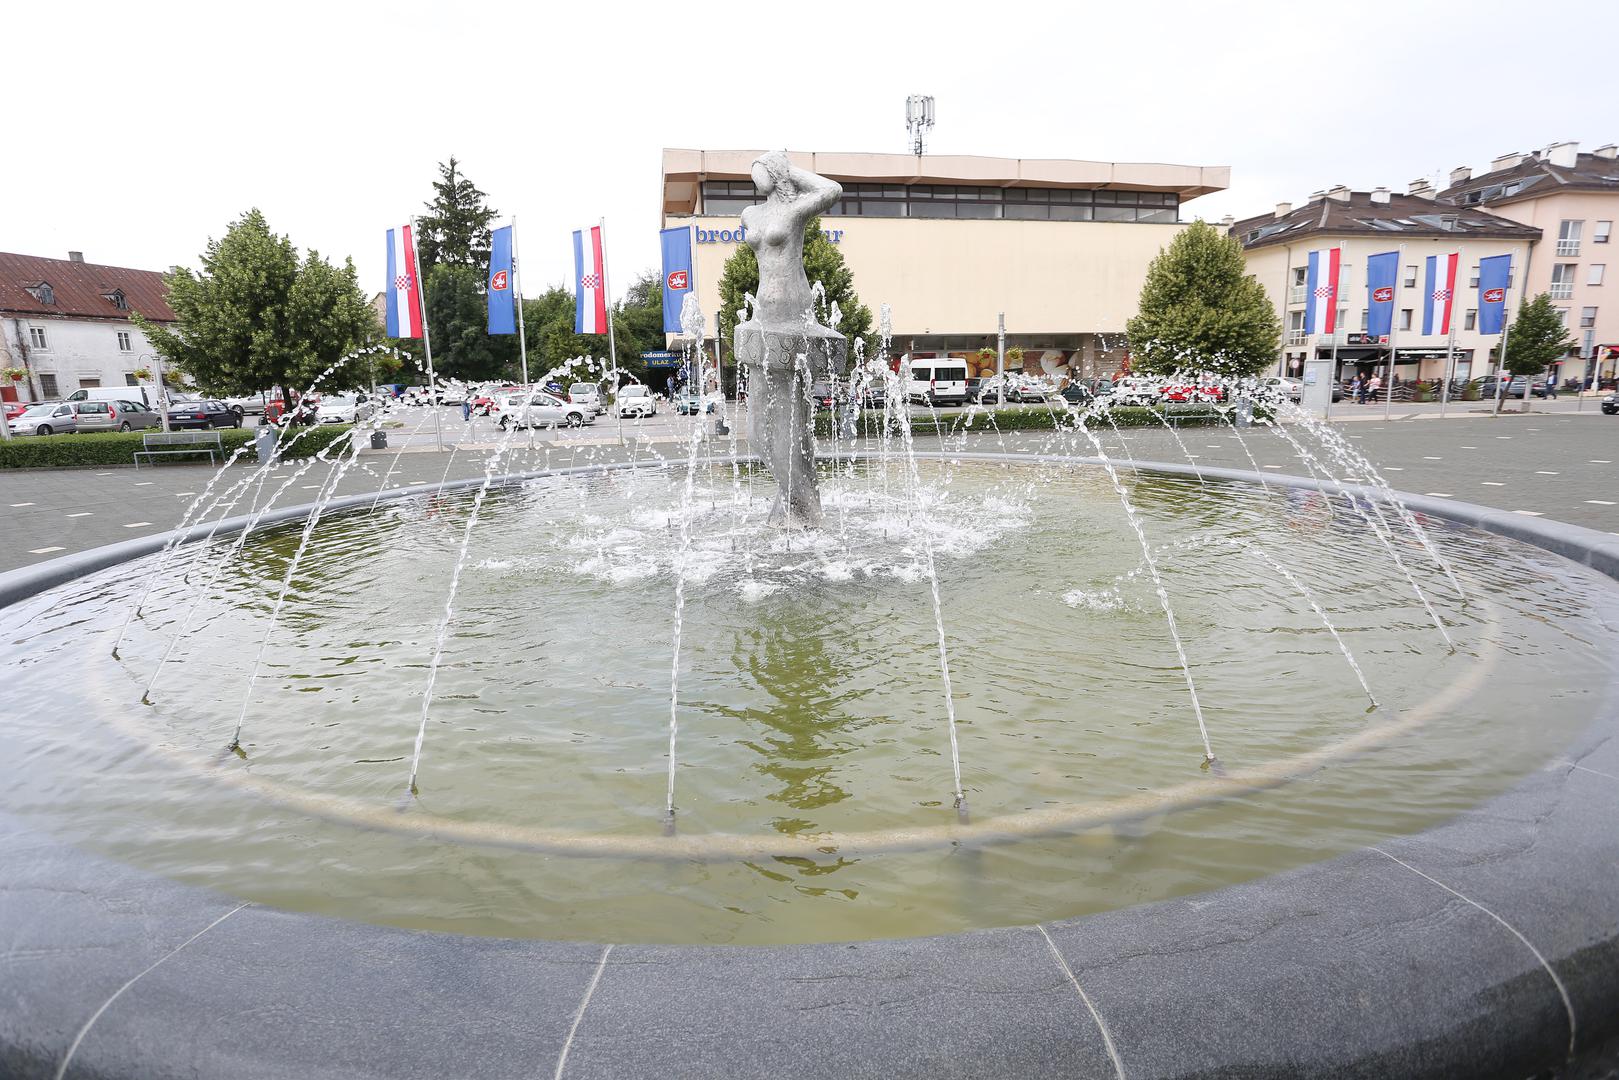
[67, 323]
[1276, 247]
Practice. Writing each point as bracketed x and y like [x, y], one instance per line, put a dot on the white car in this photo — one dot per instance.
[1291, 389]
[343, 409]
[539, 409]
[636, 401]
[587, 394]
[1132, 390]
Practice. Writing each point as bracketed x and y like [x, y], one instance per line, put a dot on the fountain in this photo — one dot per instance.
[1051, 624]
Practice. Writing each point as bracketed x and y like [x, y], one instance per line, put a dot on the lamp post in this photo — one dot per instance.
[162, 394]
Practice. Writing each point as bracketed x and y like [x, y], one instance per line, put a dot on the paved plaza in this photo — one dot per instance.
[1557, 463]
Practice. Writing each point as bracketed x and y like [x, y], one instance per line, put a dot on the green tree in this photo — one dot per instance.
[1200, 309]
[823, 263]
[256, 316]
[455, 228]
[1535, 339]
[458, 319]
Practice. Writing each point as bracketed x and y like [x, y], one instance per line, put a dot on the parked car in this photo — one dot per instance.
[539, 409]
[1029, 391]
[938, 382]
[635, 400]
[484, 401]
[14, 409]
[588, 395]
[688, 402]
[253, 404]
[343, 409]
[1077, 393]
[1133, 390]
[1513, 387]
[874, 395]
[1291, 389]
[49, 418]
[821, 394]
[113, 393]
[1182, 393]
[135, 416]
[1610, 404]
[203, 413]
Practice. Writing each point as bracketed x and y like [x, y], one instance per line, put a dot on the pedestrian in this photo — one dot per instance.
[1374, 385]
[1356, 391]
[1551, 387]
[466, 409]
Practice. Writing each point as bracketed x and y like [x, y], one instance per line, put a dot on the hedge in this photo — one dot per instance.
[118, 448]
[1034, 418]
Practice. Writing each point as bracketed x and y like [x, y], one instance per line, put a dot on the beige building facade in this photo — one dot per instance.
[1277, 246]
[1572, 198]
[949, 243]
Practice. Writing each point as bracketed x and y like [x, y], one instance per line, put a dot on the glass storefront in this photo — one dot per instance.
[729, 197]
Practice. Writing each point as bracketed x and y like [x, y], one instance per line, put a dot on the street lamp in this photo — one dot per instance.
[162, 395]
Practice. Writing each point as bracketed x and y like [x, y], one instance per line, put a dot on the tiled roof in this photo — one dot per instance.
[79, 290]
[1402, 216]
[1534, 177]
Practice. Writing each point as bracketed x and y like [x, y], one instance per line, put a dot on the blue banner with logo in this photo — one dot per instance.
[679, 276]
[502, 314]
[1382, 271]
[1494, 275]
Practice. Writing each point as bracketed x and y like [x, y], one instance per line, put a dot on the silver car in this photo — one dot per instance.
[51, 418]
[133, 416]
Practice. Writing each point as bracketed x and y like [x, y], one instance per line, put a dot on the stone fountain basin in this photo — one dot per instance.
[1486, 946]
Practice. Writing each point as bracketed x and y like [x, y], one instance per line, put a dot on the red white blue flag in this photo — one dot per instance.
[590, 282]
[1321, 292]
[404, 291]
[1440, 293]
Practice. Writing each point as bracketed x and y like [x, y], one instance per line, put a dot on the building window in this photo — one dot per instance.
[1595, 272]
[130, 380]
[1472, 279]
[1301, 275]
[36, 337]
[1568, 237]
[1588, 344]
[123, 341]
[1562, 316]
[47, 386]
[1343, 320]
[1588, 317]
[1405, 318]
[87, 382]
[1470, 320]
[42, 292]
[1365, 320]
[1603, 230]
[731, 197]
[1563, 280]
[1410, 277]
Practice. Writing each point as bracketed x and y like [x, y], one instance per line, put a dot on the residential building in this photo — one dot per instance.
[1573, 199]
[1276, 247]
[1061, 247]
[68, 322]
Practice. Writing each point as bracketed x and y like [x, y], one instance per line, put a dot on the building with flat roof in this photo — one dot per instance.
[949, 242]
[1277, 246]
[1573, 200]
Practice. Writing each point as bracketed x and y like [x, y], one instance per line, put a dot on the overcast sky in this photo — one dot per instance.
[137, 132]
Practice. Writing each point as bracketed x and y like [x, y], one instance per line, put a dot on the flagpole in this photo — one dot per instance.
[427, 345]
[1394, 325]
[522, 337]
[612, 346]
[1450, 362]
[1501, 365]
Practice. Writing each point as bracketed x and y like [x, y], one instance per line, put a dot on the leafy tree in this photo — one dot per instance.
[637, 328]
[455, 228]
[257, 316]
[1536, 337]
[1200, 309]
[823, 263]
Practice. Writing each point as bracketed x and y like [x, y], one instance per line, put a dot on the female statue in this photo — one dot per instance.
[782, 346]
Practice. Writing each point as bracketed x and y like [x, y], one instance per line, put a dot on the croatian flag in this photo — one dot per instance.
[404, 291]
[1440, 293]
[1321, 292]
[590, 273]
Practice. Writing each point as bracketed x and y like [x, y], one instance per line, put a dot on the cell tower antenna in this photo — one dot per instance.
[919, 120]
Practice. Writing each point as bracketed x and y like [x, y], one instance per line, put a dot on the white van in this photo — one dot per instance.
[140, 395]
[941, 381]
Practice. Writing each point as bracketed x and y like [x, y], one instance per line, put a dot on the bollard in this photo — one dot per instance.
[264, 441]
[379, 440]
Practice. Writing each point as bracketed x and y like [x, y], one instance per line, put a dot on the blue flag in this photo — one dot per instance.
[1381, 274]
[679, 276]
[502, 317]
[1494, 274]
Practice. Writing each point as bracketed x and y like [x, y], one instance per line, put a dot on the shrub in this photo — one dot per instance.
[1035, 418]
[118, 448]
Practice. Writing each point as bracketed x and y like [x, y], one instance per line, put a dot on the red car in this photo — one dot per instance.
[14, 409]
[484, 402]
